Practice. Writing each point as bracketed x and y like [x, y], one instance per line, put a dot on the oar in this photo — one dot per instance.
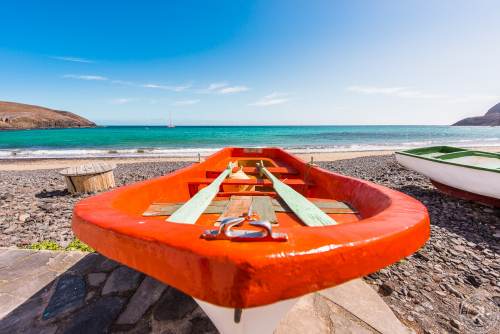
[192, 209]
[309, 213]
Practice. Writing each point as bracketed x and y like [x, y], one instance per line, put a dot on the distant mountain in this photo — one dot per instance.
[491, 118]
[24, 116]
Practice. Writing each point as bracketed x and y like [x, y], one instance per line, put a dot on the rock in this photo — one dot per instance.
[174, 305]
[419, 309]
[473, 280]
[24, 116]
[122, 279]
[69, 294]
[95, 318]
[491, 118]
[23, 217]
[455, 323]
[95, 279]
[386, 289]
[146, 295]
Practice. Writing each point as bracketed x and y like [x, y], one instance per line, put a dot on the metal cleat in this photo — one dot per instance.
[226, 231]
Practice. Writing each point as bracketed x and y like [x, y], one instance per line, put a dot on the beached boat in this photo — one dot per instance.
[467, 174]
[248, 231]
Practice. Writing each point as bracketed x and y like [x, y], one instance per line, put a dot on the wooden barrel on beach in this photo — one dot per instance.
[91, 177]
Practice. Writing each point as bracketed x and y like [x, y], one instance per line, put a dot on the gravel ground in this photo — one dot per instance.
[439, 289]
[36, 206]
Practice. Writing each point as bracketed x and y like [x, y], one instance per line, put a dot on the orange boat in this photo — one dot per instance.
[248, 231]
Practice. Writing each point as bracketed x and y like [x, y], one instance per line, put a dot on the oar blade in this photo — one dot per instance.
[308, 213]
[194, 208]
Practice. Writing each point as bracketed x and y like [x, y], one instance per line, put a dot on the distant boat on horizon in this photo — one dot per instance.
[170, 123]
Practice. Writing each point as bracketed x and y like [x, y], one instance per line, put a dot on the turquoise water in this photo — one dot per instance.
[188, 141]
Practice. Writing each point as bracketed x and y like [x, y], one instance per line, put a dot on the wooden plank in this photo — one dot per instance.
[263, 207]
[217, 207]
[257, 182]
[307, 212]
[238, 206]
[327, 206]
[255, 170]
[194, 208]
[166, 209]
[246, 193]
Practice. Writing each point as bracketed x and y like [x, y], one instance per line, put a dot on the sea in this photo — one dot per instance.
[189, 141]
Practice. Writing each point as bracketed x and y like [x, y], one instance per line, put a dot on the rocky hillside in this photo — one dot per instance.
[491, 118]
[24, 116]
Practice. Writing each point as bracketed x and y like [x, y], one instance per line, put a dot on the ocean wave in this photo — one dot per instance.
[194, 152]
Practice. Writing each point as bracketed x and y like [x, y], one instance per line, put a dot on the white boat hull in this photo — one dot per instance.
[471, 180]
[255, 320]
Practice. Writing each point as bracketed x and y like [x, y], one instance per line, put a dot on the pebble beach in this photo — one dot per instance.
[427, 291]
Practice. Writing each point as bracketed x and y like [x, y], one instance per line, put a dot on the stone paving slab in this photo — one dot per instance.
[24, 272]
[359, 299]
[75, 292]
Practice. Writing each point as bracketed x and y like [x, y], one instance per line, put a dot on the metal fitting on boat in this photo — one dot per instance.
[226, 231]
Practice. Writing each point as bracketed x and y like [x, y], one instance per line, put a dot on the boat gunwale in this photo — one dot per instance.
[444, 161]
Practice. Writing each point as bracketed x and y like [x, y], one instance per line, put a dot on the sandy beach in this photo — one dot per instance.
[460, 260]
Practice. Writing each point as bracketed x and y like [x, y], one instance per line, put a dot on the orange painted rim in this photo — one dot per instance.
[391, 226]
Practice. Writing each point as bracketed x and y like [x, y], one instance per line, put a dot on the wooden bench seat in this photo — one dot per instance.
[254, 170]
[256, 182]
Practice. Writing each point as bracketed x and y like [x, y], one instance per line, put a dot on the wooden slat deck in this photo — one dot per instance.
[238, 206]
[217, 206]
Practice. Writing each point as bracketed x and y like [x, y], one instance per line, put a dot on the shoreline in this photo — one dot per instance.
[24, 164]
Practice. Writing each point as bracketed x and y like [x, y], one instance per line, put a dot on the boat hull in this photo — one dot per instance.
[473, 184]
[255, 320]
[389, 225]
[454, 192]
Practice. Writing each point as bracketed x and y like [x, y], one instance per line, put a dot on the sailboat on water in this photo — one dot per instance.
[170, 123]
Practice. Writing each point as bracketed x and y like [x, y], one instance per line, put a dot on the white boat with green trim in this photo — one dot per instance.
[469, 174]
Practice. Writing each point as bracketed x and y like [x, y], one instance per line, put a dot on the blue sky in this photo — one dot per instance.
[253, 62]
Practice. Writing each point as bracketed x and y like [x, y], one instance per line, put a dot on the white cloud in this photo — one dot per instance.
[121, 101]
[272, 99]
[233, 89]
[215, 86]
[223, 88]
[179, 88]
[403, 92]
[85, 77]
[185, 103]
[73, 59]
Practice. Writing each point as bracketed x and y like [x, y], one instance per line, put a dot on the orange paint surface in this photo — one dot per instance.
[390, 226]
